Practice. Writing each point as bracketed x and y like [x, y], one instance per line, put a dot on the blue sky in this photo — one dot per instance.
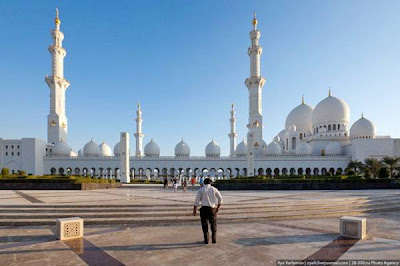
[186, 62]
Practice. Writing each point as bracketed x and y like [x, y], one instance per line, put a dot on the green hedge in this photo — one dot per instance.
[140, 181]
[53, 179]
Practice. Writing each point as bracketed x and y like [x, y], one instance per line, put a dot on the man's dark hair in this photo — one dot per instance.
[207, 181]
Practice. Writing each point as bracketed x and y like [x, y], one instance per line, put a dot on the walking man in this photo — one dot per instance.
[201, 182]
[210, 200]
[193, 182]
[165, 183]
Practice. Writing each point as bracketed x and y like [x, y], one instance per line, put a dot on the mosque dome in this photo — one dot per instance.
[61, 149]
[264, 150]
[274, 148]
[301, 117]
[151, 149]
[241, 149]
[362, 128]
[105, 150]
[303, 148]
[277, 139]
[80, 153]
[213, 149]
[73, 154]
[117, 150]
[182, 149]
[261, 149]
[331, 110]
[91, 149]
[282, 134]
[333, 148]
[322, 130]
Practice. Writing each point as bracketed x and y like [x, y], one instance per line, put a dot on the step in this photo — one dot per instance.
[185, 219]
[56, 213]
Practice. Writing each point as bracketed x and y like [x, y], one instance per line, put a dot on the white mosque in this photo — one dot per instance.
[314, 141]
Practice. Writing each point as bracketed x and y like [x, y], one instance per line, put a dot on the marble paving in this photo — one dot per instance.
[260, 241]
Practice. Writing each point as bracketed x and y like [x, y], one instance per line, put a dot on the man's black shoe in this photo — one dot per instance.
[206, 238]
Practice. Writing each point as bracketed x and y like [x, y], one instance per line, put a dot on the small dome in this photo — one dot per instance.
[91, 149]
[117, 150]
[362, 128]
[333, 148]
[277, 139]
[105, 150]
[151, 149]
[303, 148]
[80, 152]
[213, 149]
[274, 148]
[301, 117]
[61, 149]
[73, 154]
[322, 130]
[182, 149]
[241, 149]
[282, 134]
[261, 149]
[331, 110]
[308, 133]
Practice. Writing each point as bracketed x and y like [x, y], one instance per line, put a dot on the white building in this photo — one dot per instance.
[314, 140]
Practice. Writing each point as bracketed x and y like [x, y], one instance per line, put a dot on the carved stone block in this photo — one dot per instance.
[69, 228]
[353, 227]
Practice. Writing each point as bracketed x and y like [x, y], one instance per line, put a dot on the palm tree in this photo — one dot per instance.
[356, 166]
[373, 166]
[391, 162]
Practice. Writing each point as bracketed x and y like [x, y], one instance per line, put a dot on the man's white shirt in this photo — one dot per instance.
[208, 196]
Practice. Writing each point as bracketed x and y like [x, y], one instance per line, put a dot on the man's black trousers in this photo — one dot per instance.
[209, 215]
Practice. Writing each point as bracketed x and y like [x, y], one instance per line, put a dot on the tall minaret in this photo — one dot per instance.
[57, 127]
[254, 84]
[138, 135]
[233, 135]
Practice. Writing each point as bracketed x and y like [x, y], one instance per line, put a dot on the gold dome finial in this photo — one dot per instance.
[57, 20]
[302, 99]
[254, 22]
[329, 93]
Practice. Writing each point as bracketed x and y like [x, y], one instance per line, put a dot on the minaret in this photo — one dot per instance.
[254, 84]
[57, 127]
[138, 135]
[233, 135]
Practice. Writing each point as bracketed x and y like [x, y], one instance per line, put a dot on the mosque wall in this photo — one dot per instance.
[24, 154]
[373, 148]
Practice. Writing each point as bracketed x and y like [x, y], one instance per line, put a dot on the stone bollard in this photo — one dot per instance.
[69, 228]
[353, 227]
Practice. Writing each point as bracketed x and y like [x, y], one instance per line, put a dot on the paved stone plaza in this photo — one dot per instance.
[144, 225]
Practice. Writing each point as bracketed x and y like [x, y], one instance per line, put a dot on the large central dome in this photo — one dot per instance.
[331, 110]
[301, 117]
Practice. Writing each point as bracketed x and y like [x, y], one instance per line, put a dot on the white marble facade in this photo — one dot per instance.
[313, 141]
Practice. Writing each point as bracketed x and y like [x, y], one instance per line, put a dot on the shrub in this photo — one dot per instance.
[383, 172]
[5, 171]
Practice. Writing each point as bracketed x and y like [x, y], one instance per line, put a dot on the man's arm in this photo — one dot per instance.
[196, 202]
[219, 197]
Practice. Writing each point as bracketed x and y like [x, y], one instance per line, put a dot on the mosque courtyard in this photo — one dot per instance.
[145, 225]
